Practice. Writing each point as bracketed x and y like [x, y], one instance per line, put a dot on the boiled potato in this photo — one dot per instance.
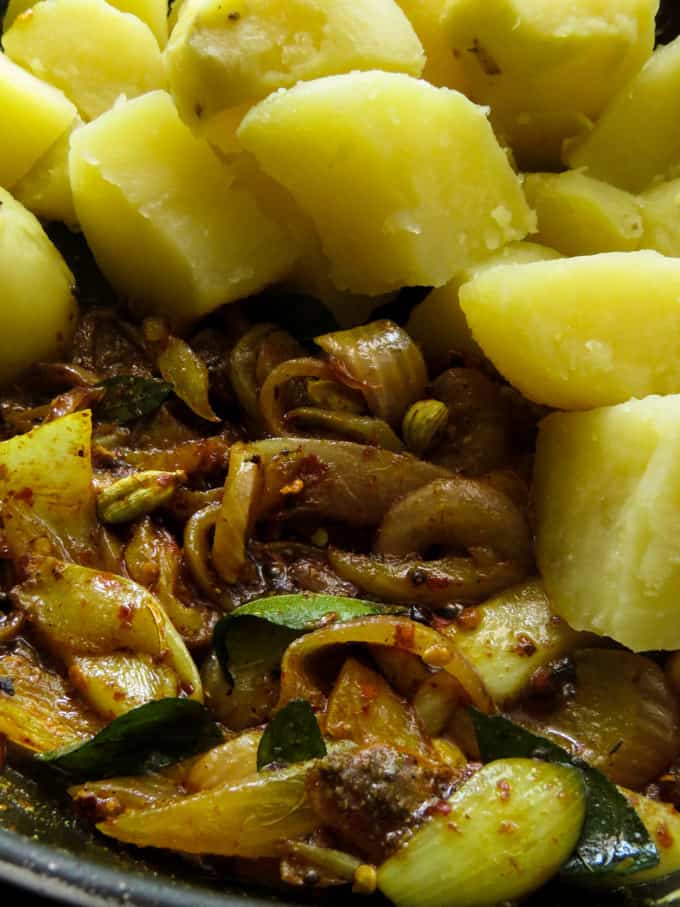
[174, 229]
[637, 139]
[608, 519]
[544, 67]
[33, 116]
[581, 332]
[152, 12]
[38, 310]
[442, 68]
[661, 218]
[579, 215]
[46, 188]
[406, 183]
[229, 55]
[91, 51]
[438, 324]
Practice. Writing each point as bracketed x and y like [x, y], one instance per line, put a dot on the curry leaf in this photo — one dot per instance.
[614, 842]
[297, 613]
[293, 735]
[128, 397]
[145, 739]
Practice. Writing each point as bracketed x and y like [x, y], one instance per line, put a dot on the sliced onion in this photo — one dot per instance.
[237, 514]
[433, 582]
[338, 480]
[383, 362]
[243, 365]
[272, 397]
[623, 718]
[344, 425]
[299, 680]
[188, 374]
[456, 513]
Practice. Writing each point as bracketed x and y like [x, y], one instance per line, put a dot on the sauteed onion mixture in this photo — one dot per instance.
[340, 432]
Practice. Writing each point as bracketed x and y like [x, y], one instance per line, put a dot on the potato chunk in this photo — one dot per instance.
[581, 332]
[438, 324]
[579, 215]
[91, 51]
[33, 116]
[38, 311]
[545, 66]
[153, 13]
[173, 228]
[441, 66]
[637, 138]
[46, 188]
[608, 520]
[227, 55]
[406, 183]
[661, 218]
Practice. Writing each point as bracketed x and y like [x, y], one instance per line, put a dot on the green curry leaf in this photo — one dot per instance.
[614, 842]
[128, 397]
[144, 739]
[296, 613]
[293, 735]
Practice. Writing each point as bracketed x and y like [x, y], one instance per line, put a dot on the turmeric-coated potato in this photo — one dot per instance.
[547, 66]
[33, 116]
[636, 141]
[581, 332]
[406, 183]
[606, 496]
[661, 218]
[91, 51]
[38, 310]
[175, 230]
[579, 215]
[46, 188]
[229, 54]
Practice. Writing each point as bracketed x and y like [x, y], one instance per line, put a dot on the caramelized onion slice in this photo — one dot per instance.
[272, 394]
[237, 513]
[338, 480]
[623, 717]
[382, 361]
[460, 513]
[363, 429]
[435, 582]
[252, 818]
[300, 681]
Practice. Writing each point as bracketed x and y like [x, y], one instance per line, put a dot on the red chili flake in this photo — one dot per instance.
[440, 808]
[470, 619]
[437, 582]
[125, 615]
[663, 836]
[403, 636]
[368, 691]
[26, 494]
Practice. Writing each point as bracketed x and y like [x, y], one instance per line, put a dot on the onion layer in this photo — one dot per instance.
[382, 361]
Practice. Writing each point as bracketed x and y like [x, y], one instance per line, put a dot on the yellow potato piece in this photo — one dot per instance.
[544, 66]
[173, 228]
[406, 183]
[581, 332]
[33, 116]
[637, 139]
[579, 215]
[661, 218]
[152, 12]
[608, 519]
[438, 324]
[46, 188]
[223, 55]
[60, 500]
[38, 310]
[91, 51]
[442, 68]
